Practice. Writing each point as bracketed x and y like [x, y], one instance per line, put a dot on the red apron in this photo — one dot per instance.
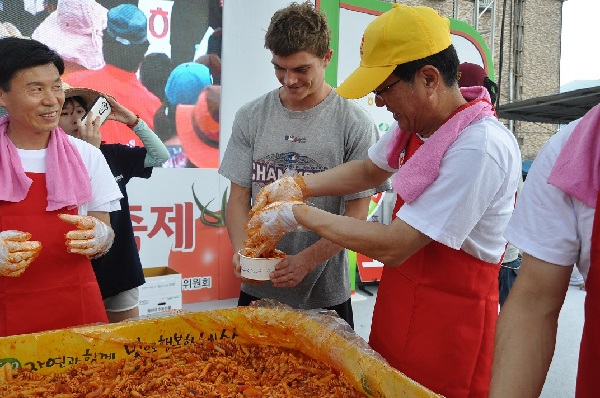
[58, 289]
[589, 351]
[435, 315]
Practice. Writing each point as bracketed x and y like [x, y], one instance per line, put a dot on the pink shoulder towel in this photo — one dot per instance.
[67, 180]
[423, 167]
[577, 169]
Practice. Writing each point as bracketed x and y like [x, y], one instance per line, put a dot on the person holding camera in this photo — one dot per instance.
[119, 272]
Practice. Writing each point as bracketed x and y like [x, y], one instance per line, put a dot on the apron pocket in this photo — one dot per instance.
[44, 309]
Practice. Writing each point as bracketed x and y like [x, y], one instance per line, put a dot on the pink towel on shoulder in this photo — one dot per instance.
[577, 168]
[67, 180]
[423, 167]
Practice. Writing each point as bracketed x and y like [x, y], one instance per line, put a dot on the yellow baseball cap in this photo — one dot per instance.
[398, 36]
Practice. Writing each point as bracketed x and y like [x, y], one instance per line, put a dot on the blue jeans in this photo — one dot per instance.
[506, 278]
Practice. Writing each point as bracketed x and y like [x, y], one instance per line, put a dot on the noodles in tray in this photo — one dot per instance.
[202, 369]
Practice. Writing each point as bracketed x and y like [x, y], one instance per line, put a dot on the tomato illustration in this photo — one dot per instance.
[207, 272]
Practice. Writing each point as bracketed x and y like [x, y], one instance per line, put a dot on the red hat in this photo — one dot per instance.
[470, 75]
[198, 128]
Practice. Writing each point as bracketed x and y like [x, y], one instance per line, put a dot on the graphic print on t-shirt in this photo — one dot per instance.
[271, 167]
[293, 138]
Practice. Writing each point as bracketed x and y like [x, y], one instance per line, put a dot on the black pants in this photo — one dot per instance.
[344, 310]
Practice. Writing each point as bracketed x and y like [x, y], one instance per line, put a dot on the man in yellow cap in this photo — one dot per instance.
[457, 169]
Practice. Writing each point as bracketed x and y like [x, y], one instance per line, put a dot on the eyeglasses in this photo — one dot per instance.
[383, 90]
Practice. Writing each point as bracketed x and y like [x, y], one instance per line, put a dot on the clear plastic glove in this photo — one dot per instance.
[17, 252]
[288, 188]
[93, 238]
[268, 226]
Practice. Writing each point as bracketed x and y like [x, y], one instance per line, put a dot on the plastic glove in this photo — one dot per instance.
[285, 189]
[268, 226]
[17, 252]
[93, 238]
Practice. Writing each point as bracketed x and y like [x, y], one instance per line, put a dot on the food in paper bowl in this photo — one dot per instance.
[258, 268]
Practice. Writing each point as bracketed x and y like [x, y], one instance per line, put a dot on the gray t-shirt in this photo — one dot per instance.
[267, 139]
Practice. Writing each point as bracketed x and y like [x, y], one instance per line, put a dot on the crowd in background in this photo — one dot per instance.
[177, 94]
[442, 252]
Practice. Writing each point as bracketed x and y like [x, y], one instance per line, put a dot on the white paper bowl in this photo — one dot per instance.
[257, 268]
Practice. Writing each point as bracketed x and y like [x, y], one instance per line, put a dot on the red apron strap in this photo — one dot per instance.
[589, 352]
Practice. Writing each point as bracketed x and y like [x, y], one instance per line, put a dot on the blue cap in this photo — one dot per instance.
[186, 82]
[127, 24]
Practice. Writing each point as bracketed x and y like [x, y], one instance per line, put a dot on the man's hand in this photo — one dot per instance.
[93, 238]
[17, 252]
[268, 226]
[290, 271]
[283, 190]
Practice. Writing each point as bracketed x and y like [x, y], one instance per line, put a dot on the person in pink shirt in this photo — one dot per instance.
[125, 43]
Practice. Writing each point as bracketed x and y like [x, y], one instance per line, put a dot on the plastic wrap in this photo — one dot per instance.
[315, 333]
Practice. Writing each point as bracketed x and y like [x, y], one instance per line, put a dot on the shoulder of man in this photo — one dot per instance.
[251, 106]
[350, 103]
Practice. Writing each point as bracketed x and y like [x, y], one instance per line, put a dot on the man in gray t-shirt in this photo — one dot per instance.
[304, 126]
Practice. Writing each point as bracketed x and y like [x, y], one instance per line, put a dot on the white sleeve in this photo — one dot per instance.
[377, 151]
[545, 221]
[105, 191]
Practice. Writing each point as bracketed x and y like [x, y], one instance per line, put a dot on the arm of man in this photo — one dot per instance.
[236, 218]
[103, 216]
[347, 178]
[391, 244]
[292, 269]
[526, 329]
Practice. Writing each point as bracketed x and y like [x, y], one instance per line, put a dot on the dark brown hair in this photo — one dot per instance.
[298, 27]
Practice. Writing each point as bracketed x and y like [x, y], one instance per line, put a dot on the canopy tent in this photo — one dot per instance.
[557, 108]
